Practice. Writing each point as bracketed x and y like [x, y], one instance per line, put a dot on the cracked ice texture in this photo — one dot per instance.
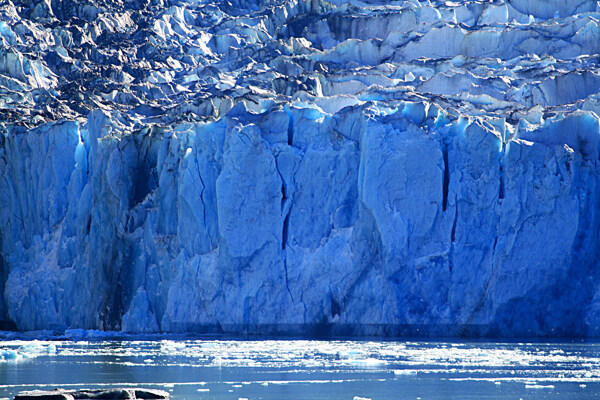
[301, 167]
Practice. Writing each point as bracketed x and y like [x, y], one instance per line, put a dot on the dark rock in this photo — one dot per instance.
[104, 394]
[57, 394]
[115, 394]
[150, 394]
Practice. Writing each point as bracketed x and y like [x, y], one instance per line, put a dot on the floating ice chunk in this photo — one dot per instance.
[539, 386]
[369, 362]
[405, 372]
[36, 348]
[10, 355]
[353, 354]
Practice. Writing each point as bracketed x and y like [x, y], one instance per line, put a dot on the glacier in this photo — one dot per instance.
[301, 167]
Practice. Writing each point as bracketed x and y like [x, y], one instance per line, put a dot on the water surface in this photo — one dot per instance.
[307, 369]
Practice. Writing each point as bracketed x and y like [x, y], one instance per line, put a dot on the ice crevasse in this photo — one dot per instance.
[303, 167]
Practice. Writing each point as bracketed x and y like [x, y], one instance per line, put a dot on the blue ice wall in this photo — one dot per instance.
[405, 222]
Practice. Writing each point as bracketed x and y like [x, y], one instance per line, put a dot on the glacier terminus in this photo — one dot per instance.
[301, 167]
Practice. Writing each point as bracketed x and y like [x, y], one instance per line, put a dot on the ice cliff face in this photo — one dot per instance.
[301, 166]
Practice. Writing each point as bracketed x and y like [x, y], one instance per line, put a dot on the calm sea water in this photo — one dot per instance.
[306, 369]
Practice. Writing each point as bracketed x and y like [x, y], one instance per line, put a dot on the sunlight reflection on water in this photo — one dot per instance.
[272, 369]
